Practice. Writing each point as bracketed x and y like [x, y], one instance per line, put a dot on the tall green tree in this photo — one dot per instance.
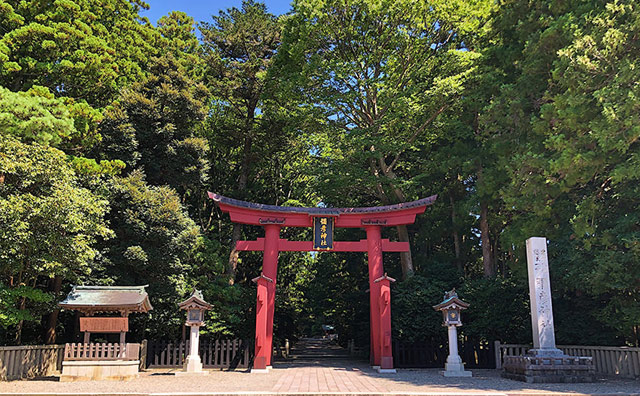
[586, 164]
[239, 47]
[49, 223]
[85, 49]
[178, 31]
[154, 124]
[37, 116]
[155, 243]
[382, 73]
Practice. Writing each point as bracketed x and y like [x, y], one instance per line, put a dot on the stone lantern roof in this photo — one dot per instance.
[195, 301]
[451, 301]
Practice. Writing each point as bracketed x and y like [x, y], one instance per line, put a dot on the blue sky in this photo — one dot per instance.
[201, 10]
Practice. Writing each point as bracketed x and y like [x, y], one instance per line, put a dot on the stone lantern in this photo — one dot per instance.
[451, 308]
[195, 307]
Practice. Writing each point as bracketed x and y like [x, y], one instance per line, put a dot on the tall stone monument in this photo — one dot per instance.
[544, 338]
[545, 362]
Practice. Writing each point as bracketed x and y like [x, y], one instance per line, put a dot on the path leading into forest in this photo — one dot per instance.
[321, 365]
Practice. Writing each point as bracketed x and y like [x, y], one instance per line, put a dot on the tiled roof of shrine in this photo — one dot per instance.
[107, 299]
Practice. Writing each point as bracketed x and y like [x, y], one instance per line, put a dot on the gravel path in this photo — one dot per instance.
[407, 381]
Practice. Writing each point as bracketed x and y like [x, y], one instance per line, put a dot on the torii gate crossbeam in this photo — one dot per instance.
[372, 219]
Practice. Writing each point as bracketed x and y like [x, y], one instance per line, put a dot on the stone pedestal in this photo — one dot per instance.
[454, 366]
[545, 362]
[193, 364]
[538, 369]
[93, 370]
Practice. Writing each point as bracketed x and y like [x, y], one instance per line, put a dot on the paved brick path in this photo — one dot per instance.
[341, 380]
[316, 375]
[318, 365]
[326, 379]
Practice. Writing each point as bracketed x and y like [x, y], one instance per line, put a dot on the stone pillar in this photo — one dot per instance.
[193, 364]
[454, 366]
[544, 339]
[194, 341]
[453, 357]
[374, 258]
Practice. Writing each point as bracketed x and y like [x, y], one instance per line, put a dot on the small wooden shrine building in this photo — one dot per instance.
[94, 361]
[97, 300]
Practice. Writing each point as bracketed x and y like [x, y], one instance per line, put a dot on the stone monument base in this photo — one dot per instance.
[91, 370]
[549, 369]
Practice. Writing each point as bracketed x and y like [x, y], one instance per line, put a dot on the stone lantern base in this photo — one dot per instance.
[192, 366]
[455, 368]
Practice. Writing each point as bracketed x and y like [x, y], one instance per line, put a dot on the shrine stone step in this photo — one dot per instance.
[316, 349]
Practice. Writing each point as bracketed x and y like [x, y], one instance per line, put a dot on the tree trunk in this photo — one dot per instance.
[50, 332]
[232, 266]
[455, 234]
[234, 255]
[18, 338]
[487, 263]
[495, 257]
[406, 261]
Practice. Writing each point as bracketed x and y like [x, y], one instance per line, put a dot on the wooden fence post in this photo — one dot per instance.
[143, 355]
[498, 352]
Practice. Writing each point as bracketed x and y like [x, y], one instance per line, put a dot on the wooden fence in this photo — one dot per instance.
[618, 361]
[432, 354]
[30, 361]
[214, 354]
[104, 351]
[356, 351]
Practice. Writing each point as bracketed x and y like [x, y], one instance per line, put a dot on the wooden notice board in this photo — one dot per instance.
[104, 325]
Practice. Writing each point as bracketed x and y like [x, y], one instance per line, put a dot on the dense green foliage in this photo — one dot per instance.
[522, 116]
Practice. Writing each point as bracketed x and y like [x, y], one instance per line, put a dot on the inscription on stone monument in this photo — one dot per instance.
[540, 291]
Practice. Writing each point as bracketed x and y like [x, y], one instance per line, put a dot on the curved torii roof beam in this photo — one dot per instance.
[288, 216]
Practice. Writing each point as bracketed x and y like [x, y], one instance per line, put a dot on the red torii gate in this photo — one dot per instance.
[372, 219]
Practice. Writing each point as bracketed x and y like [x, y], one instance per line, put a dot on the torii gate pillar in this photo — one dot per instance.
[374, 258]
[266, 299]
[273, 218]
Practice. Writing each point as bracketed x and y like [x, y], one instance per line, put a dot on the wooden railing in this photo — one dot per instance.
[104, 351]
[502, 350]
[30, 361]
[618, 361]
[214, 354]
